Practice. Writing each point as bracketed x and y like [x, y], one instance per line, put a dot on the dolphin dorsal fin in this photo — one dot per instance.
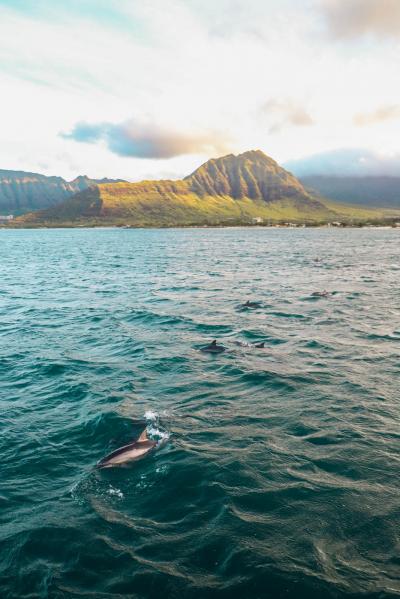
[143, 435]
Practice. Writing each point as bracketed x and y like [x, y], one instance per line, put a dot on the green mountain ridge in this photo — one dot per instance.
[22, 192]
[243, 189]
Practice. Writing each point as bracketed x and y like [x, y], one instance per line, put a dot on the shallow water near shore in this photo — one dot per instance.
[279, 474]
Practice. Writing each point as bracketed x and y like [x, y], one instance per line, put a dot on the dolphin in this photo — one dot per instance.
[213, 348]
[260, 345]
[250, 304]
[138, 449]
[320, 293]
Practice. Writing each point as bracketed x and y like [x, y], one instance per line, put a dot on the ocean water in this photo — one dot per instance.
[278, 476]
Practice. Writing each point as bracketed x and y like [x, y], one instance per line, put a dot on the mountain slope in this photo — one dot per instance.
[22, 192]
[382, 192]
[250, 175]
[228, 190]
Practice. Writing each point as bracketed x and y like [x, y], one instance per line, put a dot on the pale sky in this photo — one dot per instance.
[152, 88]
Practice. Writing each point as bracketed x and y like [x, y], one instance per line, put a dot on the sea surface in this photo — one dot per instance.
[278, 474]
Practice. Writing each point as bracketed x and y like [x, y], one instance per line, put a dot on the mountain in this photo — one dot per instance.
[250, 175]
[22, 192]
[250, 187]
[382, 192]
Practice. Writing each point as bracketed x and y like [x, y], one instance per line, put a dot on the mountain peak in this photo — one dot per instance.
[254, 153]
[251, 174]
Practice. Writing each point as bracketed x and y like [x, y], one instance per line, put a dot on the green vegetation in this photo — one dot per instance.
[235, 190]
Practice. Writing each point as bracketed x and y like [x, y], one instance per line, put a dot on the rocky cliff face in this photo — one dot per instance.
[22, 192]
[251, 175]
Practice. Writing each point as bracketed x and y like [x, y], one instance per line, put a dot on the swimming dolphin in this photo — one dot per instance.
[250, 304]
[138, 449]
[320, 293]
[245, 344]
[213, 348]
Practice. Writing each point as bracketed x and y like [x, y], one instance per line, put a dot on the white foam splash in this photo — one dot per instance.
[117, 492]
[243, 344]
[150, 415]
[142, 484]
[162, 470]
[153, 430]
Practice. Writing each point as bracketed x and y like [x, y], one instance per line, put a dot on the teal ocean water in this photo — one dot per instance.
[279, 475]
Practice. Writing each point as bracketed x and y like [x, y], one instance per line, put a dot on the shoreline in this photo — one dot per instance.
[160, 227]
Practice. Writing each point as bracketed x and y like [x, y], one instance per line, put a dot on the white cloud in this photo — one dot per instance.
[147, 140]
[285, 113]
[347, 162]
[384, 113]
[184, 67]
[357, 18]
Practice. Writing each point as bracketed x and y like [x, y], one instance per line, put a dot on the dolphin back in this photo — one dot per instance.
[144, 446]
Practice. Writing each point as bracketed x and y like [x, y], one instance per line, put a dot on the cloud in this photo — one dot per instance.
[284, 113]
[385, 113]
[194, 66]
[229, 18]
[354, 162]
[348, 19]
[139, 140]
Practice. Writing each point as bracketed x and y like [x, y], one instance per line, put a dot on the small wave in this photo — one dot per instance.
[290, 315]
[148, 317]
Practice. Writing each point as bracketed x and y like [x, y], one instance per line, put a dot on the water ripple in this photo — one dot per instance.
[279, 477]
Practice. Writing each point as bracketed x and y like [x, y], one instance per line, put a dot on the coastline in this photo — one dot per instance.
[387, 223]
[179, 227]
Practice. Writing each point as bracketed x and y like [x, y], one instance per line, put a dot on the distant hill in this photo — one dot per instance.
[247, 188]
[382, 192]
[22, 192]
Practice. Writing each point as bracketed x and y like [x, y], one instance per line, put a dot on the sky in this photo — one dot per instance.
[143, 89]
